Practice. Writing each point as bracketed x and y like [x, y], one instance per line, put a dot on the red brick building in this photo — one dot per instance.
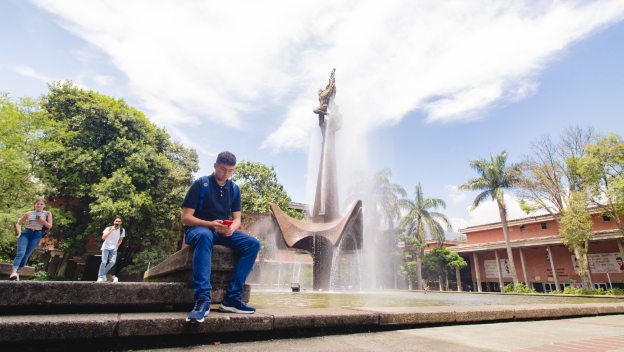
[541, 260]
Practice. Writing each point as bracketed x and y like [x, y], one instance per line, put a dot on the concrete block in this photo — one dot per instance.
[320, 317]
[465, 314]
[553, 311]
[34, 296]
[180, 264]
[57, 327]
[413, 315]
[617, 308]
[6, 268]
[156, 324]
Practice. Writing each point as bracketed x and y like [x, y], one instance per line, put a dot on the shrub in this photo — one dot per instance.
[519, 288]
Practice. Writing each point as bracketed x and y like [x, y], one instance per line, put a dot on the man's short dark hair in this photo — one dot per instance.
[620, 258]
[226, 158]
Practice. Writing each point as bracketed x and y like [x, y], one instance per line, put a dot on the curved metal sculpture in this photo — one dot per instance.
[321, 236]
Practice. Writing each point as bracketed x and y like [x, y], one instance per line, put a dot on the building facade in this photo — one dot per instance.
[541, 260]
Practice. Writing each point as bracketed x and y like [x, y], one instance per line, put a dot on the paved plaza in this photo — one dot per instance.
[587, 334]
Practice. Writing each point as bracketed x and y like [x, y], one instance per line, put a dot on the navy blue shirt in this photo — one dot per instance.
[219, 201]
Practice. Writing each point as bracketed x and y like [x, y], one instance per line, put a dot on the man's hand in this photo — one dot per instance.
[222, 229]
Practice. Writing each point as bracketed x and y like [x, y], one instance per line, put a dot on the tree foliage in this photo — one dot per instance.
[21, 125]
[259, 188]
[602, 168]
[421, 221]
[575, 229]
[552, 170]
[439, 262]
[109, 160]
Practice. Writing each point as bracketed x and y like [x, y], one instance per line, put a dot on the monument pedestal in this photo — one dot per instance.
[179, 268]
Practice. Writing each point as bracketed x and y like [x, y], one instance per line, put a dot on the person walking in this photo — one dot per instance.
[29, 238]
[112, 236]
[206, 211]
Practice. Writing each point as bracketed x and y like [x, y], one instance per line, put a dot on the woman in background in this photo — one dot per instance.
[29, 238]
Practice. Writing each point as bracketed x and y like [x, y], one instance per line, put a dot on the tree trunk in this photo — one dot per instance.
[440, 283]
[583, 267]
[447, 285]
[419, 257]
[503, 215]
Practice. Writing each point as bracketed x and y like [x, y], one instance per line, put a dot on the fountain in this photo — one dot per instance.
[324, 234]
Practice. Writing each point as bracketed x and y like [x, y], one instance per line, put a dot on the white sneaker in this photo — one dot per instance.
[101, 279]
[14, 276]
[115, 279]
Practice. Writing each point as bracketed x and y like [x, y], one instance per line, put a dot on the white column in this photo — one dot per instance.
[500, 272]
[553, 267]
[477, 271]
[525, 272]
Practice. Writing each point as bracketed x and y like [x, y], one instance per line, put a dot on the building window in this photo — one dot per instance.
[606, 218]
[522, 228]
[544, 227]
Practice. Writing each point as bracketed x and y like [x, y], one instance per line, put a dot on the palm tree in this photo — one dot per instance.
[380, 197]
[495, 177]
[420, 221]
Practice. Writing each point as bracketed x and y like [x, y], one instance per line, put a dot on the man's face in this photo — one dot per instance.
[223, 172]
[619, 261]
[117, 222]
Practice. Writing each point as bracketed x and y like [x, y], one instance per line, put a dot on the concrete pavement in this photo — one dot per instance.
[587, 334]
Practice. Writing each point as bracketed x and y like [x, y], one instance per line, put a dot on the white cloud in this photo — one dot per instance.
[487, 213]
[104, 80]
[455, 194]
[227, 62]
[28, 71]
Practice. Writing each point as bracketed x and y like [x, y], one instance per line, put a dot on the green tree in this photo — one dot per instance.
[575, 230]
[439, 262]
[603, 170]
[495, 177]
[554, 170]
[21, 126]
[422, 220]
[109, 160]
[260, 188]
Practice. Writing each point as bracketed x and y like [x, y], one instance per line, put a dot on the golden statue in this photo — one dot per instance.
[325, 95]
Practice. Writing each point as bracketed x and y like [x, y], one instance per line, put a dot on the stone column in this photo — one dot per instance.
[477, 271]
[500, 272]
[525, 272]
[457, 274]
[553, 267]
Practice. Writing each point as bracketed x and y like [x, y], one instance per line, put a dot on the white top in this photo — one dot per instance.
[111, 241]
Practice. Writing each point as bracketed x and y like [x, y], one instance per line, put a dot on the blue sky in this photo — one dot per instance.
[423, 86]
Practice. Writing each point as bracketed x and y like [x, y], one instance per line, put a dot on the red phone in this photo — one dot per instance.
[227, 222]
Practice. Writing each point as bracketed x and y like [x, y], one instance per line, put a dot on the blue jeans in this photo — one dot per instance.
[202, 240]
[26, 244]
[109, 256]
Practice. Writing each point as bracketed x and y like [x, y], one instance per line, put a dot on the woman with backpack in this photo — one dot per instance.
[28, 239]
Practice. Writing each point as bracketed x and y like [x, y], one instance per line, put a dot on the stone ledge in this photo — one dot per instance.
[85, 297]
[179, 266]
[88, 326]
[6, 268]
[320, 318]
